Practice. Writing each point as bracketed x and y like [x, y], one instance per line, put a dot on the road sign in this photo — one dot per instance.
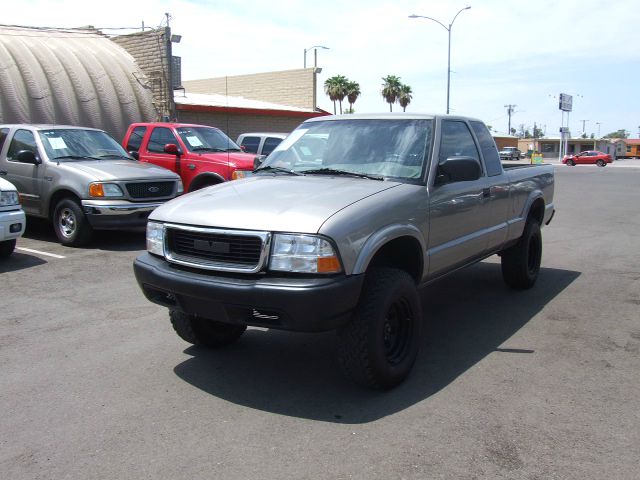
[566, 102]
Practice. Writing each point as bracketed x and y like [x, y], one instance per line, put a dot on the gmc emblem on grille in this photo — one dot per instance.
[153, 189]
[211, 246]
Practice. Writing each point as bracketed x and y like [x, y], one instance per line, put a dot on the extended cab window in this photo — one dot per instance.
[456, 141]
[251, 144]
[159, 138]
[269, 144]
[489, 149]
[135, 139]
[22, 140]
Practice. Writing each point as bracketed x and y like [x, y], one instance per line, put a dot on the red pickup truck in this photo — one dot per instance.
[200, 154]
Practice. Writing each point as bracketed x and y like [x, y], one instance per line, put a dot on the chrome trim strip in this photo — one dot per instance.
[265, 238]
[119, 208]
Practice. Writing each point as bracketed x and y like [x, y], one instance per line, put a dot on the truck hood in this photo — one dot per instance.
[104, 170]
[239, 160]
[270, 203]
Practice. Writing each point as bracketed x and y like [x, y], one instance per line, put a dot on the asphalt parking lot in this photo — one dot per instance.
[542, 384]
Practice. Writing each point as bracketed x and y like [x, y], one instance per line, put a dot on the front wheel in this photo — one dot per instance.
[521, 262]
[601, 163]
[571, 163]
[7, 247]
[379, 346]
[204, 332]
[70, 224]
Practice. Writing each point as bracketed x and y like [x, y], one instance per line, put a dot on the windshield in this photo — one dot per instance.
[376, 148]
[204, 139]
[78, 144]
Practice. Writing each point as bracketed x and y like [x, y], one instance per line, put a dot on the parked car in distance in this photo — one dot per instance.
[509, 153]
[588, 157]
[260, 143]
[81, 179]
[200, 154]
[12, 218]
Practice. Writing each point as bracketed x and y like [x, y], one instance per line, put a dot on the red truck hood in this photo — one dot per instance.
[239, 160]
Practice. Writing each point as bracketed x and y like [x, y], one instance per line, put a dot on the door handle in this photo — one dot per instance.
[486, 192]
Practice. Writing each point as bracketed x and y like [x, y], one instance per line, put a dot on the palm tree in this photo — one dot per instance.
[336, 88]
[405, 96]
[391, 89]
[330, 89]
[353, 92]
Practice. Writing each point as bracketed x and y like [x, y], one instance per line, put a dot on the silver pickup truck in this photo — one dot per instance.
[81, 179]
[339, 228]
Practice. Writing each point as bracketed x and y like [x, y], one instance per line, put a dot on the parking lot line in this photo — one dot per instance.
[39, 252]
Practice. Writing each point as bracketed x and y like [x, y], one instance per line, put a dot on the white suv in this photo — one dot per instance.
[12, 219]
[260, 143]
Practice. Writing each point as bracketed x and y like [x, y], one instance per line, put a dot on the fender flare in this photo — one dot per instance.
[206, 175]
[384, 236]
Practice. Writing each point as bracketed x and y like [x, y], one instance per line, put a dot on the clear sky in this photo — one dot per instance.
[502, 52]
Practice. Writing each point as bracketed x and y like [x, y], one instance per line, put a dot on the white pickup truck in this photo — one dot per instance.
[12, 218]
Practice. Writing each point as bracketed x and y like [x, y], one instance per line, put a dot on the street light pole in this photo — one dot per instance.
[315, 52]
[448, 29]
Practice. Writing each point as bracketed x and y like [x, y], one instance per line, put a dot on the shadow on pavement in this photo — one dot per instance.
[109, 240]
[19, 261]
[468, 315]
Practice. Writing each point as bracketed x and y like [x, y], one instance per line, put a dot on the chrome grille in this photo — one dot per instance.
[216, 249]
[150, 189]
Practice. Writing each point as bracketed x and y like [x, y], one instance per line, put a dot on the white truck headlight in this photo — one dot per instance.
[105, 190]
[155, 238]
[303, 254]
[9, 198]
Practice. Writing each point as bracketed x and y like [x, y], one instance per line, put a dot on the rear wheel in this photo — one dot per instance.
[379, 346]
[204, 332]
[601, 163]
[521, 262]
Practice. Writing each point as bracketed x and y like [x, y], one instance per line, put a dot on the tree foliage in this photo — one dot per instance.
[405, 96]
[338, 87]
[617, 134]
[391, 89]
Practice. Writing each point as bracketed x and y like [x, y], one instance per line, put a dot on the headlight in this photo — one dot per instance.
[238, 174]
[303, 254]
[180, 187]
[105, 190]
[9, 198]
[155, 238]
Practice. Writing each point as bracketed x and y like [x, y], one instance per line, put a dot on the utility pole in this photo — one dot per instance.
[583, 125]
[510, 109]
[598, 123]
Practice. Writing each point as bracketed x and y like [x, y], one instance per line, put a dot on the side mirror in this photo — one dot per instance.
[173, 149]
[134, 154]
[27, 156]
[458, 169]
[257, 161]
[243, 148]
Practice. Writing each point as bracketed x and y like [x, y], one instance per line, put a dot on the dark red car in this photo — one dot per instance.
[588, 157]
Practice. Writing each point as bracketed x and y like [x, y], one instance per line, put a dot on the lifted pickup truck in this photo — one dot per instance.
[201, 155]
[81, 179]
[345, 221]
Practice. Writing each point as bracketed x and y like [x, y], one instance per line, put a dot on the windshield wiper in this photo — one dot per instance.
[76, 157]
[269, 168]
[331, 171]
[207, 149]
[115, 155]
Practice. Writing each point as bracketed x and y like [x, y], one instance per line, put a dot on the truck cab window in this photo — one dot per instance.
[456, 141]
[159, 138]
[22, 140]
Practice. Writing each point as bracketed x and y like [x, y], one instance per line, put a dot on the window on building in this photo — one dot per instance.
[628, 148]
[159, 138]
[135, 139]
[547, 147]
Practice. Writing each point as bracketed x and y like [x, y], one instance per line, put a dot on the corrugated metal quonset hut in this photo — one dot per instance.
[70, 77]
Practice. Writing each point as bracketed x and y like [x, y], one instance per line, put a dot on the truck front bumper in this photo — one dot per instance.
[303, 304]
[12, 224]
[108, 215]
